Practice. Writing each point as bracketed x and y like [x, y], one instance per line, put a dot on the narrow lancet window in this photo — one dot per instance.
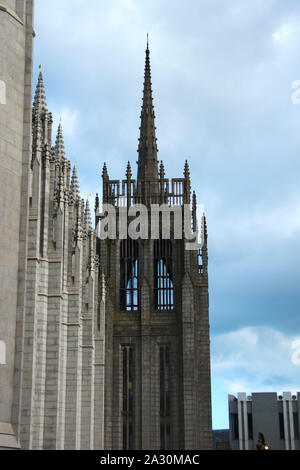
[163, 275]
[165, 428]
[129, 275]
[128, 397]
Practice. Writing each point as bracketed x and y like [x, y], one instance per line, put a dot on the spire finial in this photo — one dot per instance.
[162, 170]
[186, 170]
[104, 172]
[147, 42]
[128, 171]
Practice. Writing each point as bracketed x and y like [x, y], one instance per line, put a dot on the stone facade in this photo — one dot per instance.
[95, 359]
[16, 37]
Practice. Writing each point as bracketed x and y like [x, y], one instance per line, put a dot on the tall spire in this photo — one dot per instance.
[147, 161]
[39, 102]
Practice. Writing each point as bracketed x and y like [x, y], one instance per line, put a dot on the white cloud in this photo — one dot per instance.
[283, 33]
[255, 359]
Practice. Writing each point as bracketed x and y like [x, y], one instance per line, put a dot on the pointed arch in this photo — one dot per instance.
[163, 275]
[129, 275]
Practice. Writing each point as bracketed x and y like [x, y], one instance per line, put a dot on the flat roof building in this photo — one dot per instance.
[264, 419]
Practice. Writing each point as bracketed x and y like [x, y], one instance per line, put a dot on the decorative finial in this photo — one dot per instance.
[147, 42]
[161, 170]
[186, 170]
[104, 172]
[128, 171]
[97, 202]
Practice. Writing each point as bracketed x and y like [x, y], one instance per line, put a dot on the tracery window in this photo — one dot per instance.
[163, 275]
[129, 275]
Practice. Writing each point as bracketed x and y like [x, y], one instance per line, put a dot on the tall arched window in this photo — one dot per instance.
[163, 275]
[129, 275]
[164, 372]
[128, 397]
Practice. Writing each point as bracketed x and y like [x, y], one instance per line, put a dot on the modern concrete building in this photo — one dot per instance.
[104, 344]
[277, 417]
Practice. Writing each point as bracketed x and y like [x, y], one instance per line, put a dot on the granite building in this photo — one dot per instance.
[104, 340]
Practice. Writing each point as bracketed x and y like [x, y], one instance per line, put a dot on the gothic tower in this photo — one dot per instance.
[157, 356]
[16, 38]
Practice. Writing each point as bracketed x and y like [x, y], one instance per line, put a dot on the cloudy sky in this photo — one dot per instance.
[223, 75]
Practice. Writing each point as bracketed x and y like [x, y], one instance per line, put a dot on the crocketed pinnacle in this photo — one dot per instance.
[88, 216]
[128, 171]
[186, 170]
[39, 102]
[204, 229]
[104, 172]
[161, 170]
[187, 184]
[75, 185]
[147, 160]
[59, 144]
[97, 203]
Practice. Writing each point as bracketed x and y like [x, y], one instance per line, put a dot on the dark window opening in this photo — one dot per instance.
[128, 396]
[129, 275]
[163, 275]
[296, 425]
[235, 426]
[250, 426]
[164, 370]
[281, 426]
